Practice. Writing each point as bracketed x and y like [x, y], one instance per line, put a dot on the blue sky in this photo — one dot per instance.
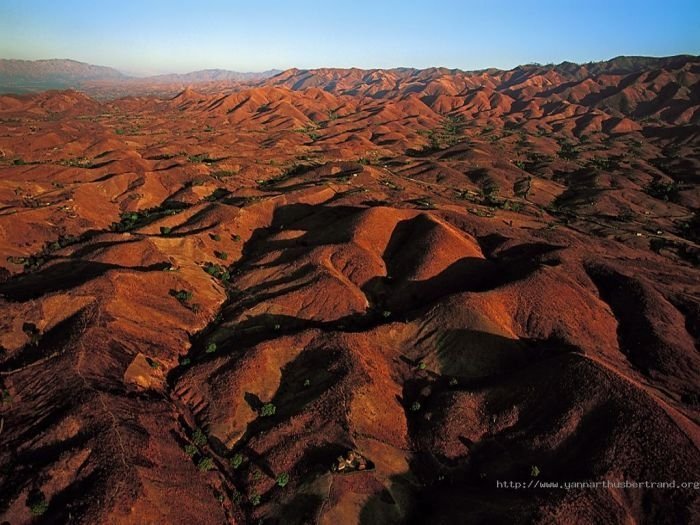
[158, 36]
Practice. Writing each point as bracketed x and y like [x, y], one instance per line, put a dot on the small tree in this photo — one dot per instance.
[205, 464]
[268, 409]
[236, 461]
[36, 501]
[199, 438]
[283, 479]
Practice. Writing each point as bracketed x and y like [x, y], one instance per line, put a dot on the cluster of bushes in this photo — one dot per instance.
[667, 191]
[5, 396]
[292, 171]
[79, 162]
[568, 151]
[310, 130]
[535, 162]
[604, 163]
[136, 219]
[450, 132]
[217, 271]
[199, 440]
[34, 261]
[163, 156]
[218, 193]
[268, 409]
[36, 501]
[184, 297]
[202, 158]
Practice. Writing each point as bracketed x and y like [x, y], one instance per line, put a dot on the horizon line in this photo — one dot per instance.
[132, 74]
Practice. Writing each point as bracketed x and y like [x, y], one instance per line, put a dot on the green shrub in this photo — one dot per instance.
[268, 409]
[282, 479]
[165, 230]
[221, 255]
[453, 128]
[130, 220]
[127, 221]
[217, 271]
[201, 158]
[199, 438]
[183, 296]
[161, 156]
[509, 205]
[218, 193]
[37, 503]
[449, 133]
[205, 464]
[568, 151]
[211, 348]
[237, 460]
[254, 499]
[415, 406]
[5, 397]
[604, 163]
[667, 191]
[191, 450]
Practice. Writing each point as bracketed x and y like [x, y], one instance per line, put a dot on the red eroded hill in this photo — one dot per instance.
[347, 296]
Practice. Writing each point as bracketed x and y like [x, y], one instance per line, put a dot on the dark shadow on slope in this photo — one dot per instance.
[63, 276]
[635, 332]
[54, 340]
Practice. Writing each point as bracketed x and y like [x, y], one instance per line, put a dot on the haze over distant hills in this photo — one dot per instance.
[24, 76]
[17, 76]
[213, 75]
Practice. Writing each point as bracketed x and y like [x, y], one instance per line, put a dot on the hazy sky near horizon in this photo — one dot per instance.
[161, 36]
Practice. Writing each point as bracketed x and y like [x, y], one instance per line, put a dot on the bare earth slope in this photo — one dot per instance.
[461, 279]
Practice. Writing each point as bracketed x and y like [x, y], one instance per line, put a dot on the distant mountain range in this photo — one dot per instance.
[17, 76]
[212, 75]
[22, 76]
[25, 76]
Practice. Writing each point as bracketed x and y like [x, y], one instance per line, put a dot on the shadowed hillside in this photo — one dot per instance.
[346, 296]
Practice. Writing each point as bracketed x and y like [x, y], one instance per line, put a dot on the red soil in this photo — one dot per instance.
[464, 277]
